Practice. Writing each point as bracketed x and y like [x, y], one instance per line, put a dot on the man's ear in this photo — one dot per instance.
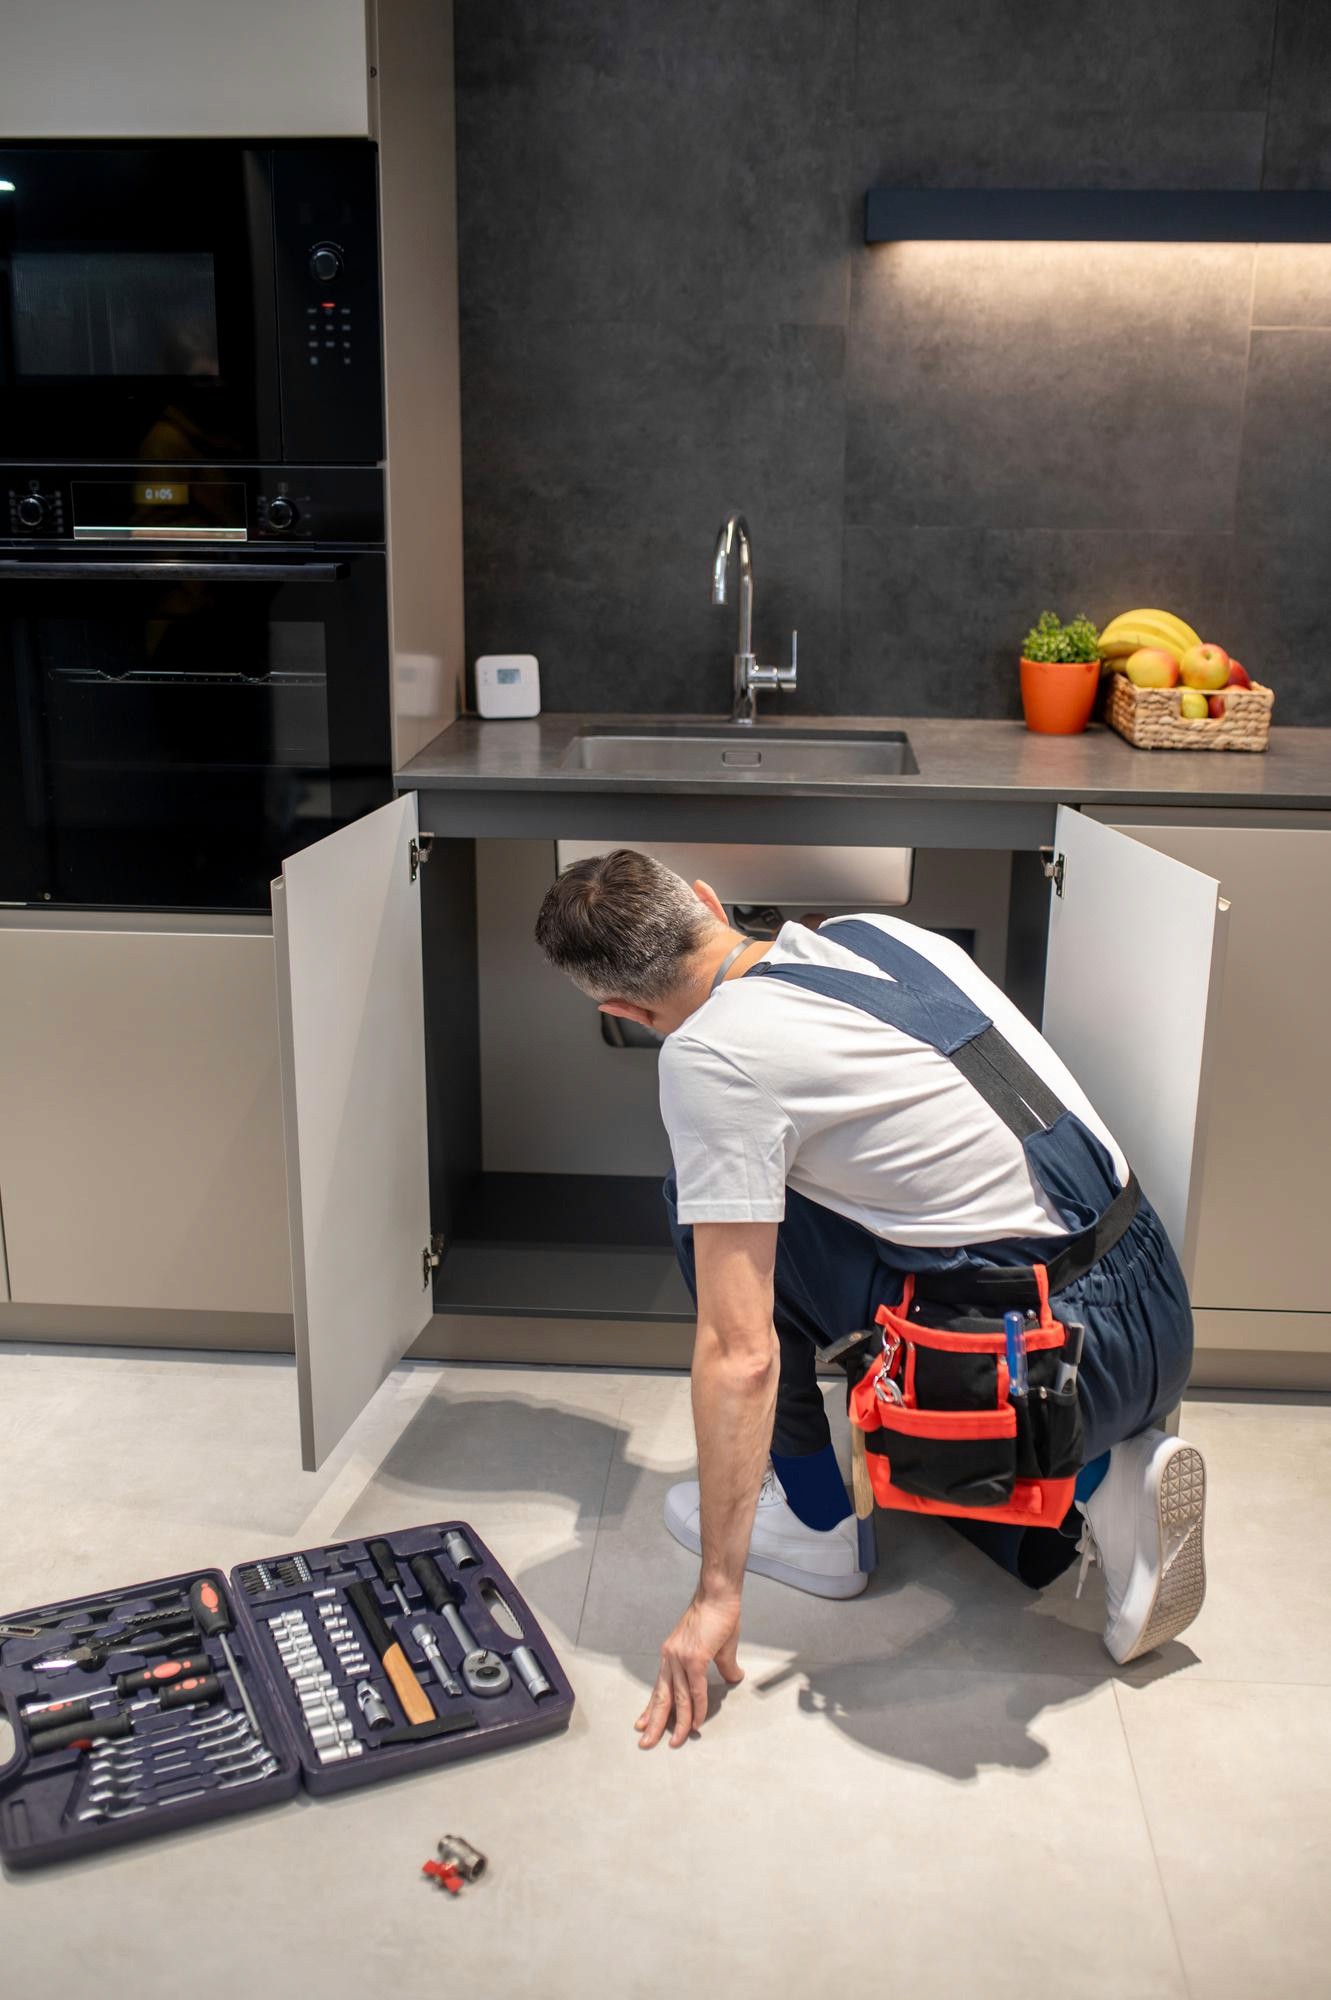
[709, 899]
[625, 1010]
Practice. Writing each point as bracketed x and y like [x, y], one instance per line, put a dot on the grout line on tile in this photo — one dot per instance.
[600, 1515]
[1150, 1835]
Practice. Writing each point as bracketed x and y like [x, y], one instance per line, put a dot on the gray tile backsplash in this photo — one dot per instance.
[1044, 385]
[668, 310]
[932, 617]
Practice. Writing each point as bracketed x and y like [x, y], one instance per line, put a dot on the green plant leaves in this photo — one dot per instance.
[1050, 639]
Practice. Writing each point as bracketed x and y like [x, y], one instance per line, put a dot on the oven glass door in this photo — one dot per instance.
[136, 309]
[170, 729]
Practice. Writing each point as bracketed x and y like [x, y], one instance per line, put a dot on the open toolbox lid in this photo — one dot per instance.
[96, 1792]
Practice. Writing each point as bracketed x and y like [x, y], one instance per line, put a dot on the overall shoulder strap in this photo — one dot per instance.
[922, 1002]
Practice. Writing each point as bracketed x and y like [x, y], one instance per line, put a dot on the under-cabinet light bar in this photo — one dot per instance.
[1095, 215]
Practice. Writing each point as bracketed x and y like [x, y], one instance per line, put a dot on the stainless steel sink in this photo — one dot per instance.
[718, 750]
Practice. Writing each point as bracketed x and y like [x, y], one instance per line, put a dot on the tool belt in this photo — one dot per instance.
[942, 1433]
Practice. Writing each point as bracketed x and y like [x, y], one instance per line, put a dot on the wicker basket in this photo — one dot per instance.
[1150, 720]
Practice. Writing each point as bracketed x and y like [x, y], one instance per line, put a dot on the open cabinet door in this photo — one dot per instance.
[1136, 957]
[347, 931]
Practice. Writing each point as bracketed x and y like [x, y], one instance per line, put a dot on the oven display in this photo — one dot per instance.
[162, 510]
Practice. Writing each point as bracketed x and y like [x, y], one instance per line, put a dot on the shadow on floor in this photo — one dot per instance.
[966, 1658]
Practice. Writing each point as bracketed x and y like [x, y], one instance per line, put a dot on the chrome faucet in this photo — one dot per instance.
[749, 676]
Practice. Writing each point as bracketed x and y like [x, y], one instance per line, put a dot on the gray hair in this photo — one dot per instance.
[622, 926]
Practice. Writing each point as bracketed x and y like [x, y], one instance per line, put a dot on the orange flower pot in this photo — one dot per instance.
[1058, 696]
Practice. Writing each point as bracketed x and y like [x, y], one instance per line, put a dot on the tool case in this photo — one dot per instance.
[159, 1735]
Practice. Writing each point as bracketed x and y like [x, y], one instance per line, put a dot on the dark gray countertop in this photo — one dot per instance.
[994, 763]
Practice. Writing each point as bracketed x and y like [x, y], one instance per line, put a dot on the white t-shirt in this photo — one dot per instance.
[768, 1086]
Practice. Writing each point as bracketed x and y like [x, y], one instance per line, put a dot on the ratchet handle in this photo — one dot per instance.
[439, 1593]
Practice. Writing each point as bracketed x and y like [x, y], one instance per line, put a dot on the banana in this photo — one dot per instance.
[1156, 626]
[1132, 629]
[1166, 620]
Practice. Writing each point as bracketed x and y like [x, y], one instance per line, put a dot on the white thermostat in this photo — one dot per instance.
[508, 684]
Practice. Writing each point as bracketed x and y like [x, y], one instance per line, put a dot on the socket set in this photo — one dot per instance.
[175, 1702]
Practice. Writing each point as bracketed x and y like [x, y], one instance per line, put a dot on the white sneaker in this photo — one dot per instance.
[1143, 1524]
[823, 1561]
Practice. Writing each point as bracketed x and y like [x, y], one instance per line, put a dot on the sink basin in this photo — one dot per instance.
[720, 750]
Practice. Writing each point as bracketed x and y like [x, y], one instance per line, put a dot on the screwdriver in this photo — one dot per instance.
[192, 1692]
[165, 1670]
[74, 1707]
[79, 1733]
[215, 1621]
[382, 1557]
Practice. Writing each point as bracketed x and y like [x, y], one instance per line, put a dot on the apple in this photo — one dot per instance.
[1239, 676]
[1216, 706]
[1149, 667]
[1204, 666]
[1192, 704]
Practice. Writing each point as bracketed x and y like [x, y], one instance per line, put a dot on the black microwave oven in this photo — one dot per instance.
[190, 300]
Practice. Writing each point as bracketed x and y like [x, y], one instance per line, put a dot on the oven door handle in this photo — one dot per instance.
[167, 571]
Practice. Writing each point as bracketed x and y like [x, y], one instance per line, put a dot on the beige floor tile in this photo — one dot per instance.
[193, 1462]
[963, 1737]
[720, 1867]
[1235, 1782]
[1267, 1615]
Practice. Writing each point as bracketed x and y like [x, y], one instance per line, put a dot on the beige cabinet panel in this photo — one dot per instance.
[1136, 951]
[188, 69]
[351, 1027]
[1266, 1172]
[140, 1119]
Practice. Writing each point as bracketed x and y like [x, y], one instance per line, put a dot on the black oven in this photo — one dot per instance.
[190, 300]
[194, 679]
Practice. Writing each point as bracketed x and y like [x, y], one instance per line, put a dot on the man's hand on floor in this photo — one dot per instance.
[709, 1630]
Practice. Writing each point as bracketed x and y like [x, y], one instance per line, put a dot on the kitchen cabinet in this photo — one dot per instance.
[191, 69]
[1258, 1284]
[353, 1000]
[141, 1159]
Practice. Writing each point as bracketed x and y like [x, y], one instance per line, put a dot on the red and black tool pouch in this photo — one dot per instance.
[942, 1433]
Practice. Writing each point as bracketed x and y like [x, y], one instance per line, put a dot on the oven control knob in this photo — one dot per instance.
[281, 513]
[32, 510]
[325, 262]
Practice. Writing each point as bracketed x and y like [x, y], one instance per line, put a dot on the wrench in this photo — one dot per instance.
[483, 1671]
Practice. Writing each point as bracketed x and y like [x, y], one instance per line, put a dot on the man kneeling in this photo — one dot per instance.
[850, 1111]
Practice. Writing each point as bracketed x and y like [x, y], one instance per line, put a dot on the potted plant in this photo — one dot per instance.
[1060, 675]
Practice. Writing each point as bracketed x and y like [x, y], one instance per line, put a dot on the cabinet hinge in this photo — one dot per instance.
[420, 852]
[430, 1257]
[1053, 865]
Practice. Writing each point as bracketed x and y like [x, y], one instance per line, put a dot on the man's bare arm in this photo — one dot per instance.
[736, 1362]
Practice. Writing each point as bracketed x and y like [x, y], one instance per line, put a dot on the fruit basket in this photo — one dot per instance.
[1149, 718]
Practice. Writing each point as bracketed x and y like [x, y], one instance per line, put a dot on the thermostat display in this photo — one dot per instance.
[508, 684]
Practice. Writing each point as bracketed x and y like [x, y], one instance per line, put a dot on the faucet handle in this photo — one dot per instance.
[786, 677]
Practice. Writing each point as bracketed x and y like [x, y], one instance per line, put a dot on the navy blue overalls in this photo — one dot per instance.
[832, 1275]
